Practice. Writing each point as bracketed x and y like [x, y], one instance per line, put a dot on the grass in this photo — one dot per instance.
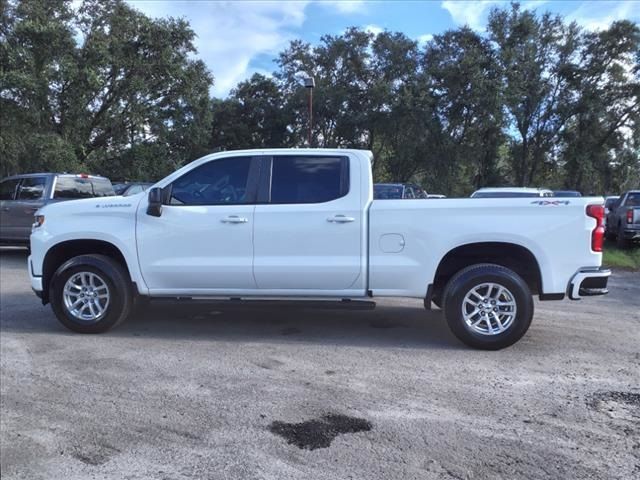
[628, 258]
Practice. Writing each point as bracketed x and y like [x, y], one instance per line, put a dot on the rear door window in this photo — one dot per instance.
[70, 188]
[308, 179]
[8, 189]
[32, 188]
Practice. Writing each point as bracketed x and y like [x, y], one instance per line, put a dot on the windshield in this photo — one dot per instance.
[633, 200]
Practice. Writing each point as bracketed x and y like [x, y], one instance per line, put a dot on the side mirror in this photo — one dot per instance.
[155, 202]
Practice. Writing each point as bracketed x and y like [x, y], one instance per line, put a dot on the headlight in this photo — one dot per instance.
[39, 221]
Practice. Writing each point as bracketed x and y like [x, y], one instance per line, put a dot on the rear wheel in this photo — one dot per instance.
[621, 242]
[91, 294]
[488, 306]
[609, 234]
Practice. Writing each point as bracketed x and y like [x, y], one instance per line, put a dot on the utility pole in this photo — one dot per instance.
[309, 84]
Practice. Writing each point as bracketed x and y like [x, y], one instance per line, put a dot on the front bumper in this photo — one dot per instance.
[36, 281]
[589, 282]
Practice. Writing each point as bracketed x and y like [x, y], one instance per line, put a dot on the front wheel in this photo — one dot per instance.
[488, 306]
[91, 294]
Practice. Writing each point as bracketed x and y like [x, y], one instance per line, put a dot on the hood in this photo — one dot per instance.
[98, 206]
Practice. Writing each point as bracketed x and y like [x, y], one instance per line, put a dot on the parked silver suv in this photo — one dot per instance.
[22, 195]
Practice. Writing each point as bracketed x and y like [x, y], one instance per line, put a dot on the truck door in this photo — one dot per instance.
[29, 198]
[8, 189]
[308, 223]
[202, 243]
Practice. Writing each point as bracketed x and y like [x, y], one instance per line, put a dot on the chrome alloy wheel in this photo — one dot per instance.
[86, 296]
[489, 309]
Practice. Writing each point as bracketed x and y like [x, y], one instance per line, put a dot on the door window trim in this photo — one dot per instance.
[266, 176]
[252, 183]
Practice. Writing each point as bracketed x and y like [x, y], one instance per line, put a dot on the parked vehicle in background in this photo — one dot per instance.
[623, 220]
[126, 189]
[395, 191]
[609, 202]
[566, 193]
[435, 195]
[301, 224]
[511, 192]
[22, 195]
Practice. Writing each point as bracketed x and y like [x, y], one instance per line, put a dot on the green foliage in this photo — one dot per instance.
[533, 101]
[97, 86]
[617, 258]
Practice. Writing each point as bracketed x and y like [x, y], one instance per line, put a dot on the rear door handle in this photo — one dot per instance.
[5, 209]
[234, 219]
[340, 219]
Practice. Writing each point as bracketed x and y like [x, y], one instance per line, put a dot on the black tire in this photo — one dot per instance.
[469, 278]
[621, 242]
[609, 235]
[112, 274]
[437, 301]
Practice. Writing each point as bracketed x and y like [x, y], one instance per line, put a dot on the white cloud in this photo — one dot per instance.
[598, 16]
[344, 6]
[230, 34]
[423, 39]
[475, 13]
[471, 13]
[374, 29]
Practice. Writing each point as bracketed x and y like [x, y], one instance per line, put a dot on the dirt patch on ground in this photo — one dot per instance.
[319, 433]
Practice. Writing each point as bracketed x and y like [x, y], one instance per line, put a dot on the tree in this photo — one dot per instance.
[254, 116]
[535, 54]
[601, 150]
[462, 76]
[339, 65]
[124, 82]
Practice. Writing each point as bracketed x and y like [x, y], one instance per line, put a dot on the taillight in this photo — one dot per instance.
[630, 215]
[597, 235]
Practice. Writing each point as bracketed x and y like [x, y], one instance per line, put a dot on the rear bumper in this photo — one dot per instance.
[631, 233]
[589, 282]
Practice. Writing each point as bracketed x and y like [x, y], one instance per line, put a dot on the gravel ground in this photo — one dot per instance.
[185, 392]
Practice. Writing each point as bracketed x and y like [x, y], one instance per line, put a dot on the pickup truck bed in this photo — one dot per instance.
[303, 224]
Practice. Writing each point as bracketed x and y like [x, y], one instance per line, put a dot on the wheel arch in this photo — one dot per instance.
[63, 251]
[509, 255]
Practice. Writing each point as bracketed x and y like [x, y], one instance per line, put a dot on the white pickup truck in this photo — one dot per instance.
[302, 225]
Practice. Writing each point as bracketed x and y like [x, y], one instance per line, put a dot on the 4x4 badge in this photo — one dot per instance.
[555, 203]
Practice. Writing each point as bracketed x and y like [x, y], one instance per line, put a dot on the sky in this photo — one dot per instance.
[238, 38]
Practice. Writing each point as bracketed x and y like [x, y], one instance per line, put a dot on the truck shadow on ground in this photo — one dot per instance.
[385, 326]
[404, 325]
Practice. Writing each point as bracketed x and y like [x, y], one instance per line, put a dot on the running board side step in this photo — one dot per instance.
[345, 304]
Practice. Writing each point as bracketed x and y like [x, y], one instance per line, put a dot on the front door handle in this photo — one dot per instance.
[340, 219]
[234, 219]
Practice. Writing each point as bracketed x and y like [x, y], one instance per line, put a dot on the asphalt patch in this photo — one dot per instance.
[621, 406]
[385, 324]
[319, 432]
[290, 331]
[630, 398]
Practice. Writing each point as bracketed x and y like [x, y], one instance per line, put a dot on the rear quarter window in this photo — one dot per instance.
[309, 179]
